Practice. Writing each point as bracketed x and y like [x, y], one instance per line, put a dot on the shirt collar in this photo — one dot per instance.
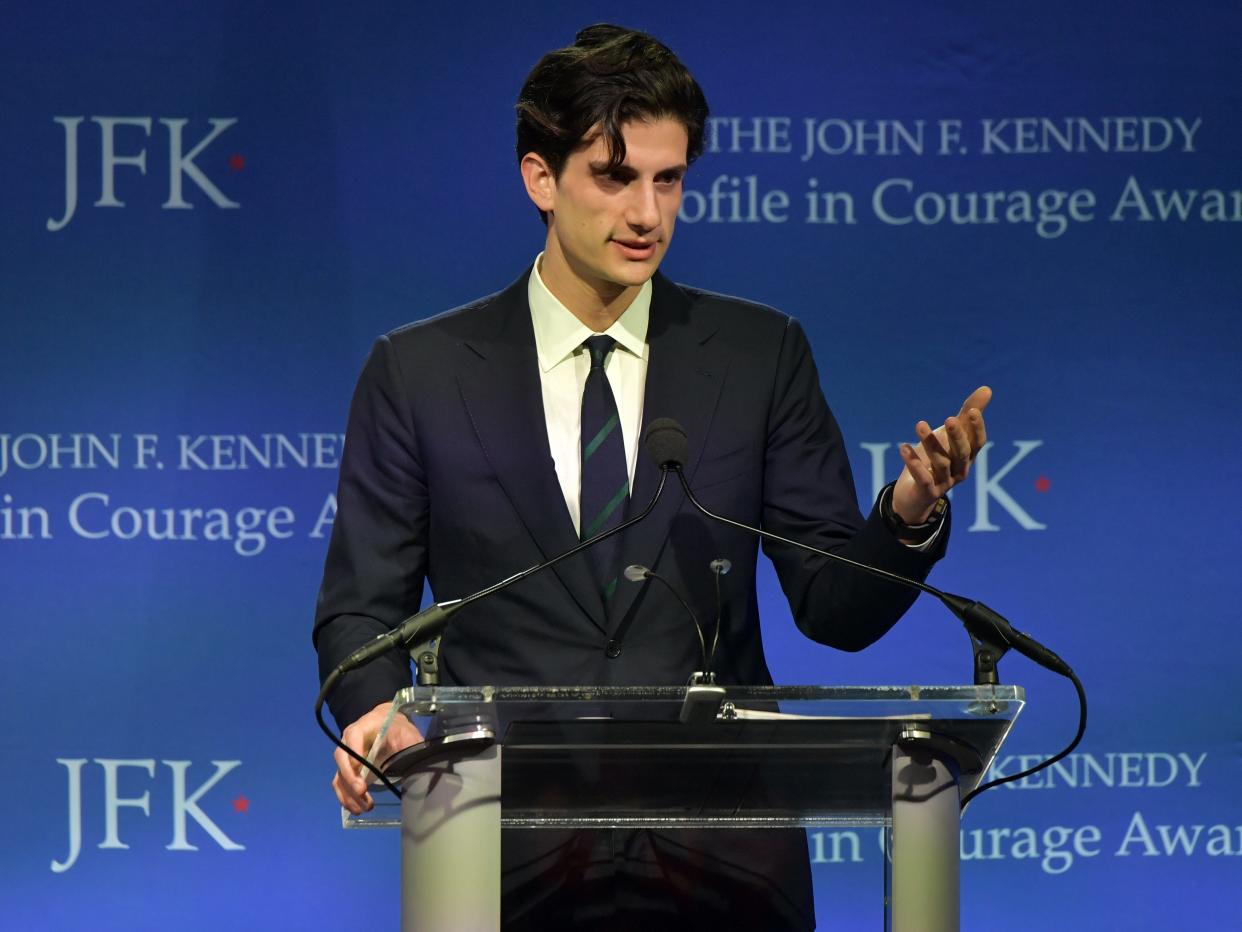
[558, 333]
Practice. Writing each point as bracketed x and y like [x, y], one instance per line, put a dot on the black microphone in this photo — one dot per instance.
[667, 445]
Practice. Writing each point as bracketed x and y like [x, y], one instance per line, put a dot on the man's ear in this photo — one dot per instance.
[539, 180]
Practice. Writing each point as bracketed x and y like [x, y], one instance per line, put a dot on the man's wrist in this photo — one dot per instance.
[912, 534]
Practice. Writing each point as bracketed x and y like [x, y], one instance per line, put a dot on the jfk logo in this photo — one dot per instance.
[132, 153]
[185, 804]
[986, 476]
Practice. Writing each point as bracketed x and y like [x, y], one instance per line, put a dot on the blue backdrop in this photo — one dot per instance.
[212, 209]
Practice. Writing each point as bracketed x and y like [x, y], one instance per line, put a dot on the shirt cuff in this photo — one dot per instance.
[885, 502]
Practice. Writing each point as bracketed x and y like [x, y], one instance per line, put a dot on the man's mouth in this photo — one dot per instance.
[636, 248]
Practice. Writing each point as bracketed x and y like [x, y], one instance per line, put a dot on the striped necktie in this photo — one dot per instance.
[605, 476]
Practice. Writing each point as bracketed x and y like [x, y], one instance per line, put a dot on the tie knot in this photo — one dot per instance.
[599, 346]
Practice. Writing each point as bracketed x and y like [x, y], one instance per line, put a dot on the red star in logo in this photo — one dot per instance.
[237, 162]
[241, 804]
[1043, 484]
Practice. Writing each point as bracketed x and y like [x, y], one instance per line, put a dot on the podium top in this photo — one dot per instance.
[951, 702]
[609, 756]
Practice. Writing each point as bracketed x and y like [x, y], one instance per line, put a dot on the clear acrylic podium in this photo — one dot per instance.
[649, 757]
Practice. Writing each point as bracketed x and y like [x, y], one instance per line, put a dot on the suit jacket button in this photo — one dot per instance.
[612, 648]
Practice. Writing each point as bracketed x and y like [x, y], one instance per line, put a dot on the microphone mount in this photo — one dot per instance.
[704, 697]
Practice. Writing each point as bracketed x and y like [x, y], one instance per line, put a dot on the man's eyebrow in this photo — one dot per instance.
[603, 168]
[606, 168]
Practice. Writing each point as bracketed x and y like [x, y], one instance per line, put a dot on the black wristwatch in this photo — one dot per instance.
[911, 533]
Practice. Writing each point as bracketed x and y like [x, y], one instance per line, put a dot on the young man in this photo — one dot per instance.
[495, 436]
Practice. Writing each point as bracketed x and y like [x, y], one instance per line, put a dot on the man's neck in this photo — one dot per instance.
[598, 306]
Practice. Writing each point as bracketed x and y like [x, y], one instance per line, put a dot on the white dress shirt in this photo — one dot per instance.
[563, 367]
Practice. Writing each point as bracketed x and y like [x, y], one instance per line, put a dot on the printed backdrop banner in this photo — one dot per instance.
[212, 210]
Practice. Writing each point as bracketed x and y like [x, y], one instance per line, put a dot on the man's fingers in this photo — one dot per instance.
[353, 738]
[972, 412]
[348, 783]
[938, 457]
[347, 770]
[959, 447]
[930, 440]
[350, 789]
[919, 470]
[978, 430]
[347, 798]
[979, 398]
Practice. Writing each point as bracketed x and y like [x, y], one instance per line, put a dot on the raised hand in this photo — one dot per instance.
[941, 459]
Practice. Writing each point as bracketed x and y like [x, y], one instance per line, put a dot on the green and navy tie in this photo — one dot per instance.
[605, 477]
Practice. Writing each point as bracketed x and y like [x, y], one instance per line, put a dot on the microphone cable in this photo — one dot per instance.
[989, 632]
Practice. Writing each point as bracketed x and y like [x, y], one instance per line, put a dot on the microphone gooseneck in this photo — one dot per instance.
[990, 632]
[432, 620]
[636, 572]
[991, 635]
[719, 567]
[426, 626]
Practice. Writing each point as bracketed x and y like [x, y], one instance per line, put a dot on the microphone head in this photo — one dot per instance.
[636, 573]
[720, 566]
[666, 443]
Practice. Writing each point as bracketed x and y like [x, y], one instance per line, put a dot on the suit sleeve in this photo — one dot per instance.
[809, 496]
[374, 571]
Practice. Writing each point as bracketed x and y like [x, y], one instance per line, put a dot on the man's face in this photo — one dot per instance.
[609, 230]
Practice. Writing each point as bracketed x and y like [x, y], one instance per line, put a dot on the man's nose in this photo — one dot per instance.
[644, 208]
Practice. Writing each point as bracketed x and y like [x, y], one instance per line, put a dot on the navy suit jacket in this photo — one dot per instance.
[447, 476]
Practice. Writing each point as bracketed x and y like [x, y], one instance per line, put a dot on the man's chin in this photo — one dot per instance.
[635, 273]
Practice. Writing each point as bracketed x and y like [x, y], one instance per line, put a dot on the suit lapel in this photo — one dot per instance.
[685, 373]
[498, 377]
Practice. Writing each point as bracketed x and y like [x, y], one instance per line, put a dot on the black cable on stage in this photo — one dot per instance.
[990, 633]
[978, 618]
[1082, 728]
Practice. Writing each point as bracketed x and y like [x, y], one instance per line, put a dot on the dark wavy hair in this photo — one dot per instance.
[608, 77]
